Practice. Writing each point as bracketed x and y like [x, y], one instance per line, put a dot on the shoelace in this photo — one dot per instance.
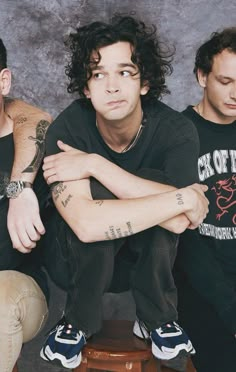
[67, 331]
[61, 322]
[168, 328]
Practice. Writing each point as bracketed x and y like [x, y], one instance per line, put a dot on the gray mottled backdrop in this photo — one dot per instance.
[34, 30]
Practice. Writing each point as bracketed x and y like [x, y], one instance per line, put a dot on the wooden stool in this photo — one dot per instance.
[115, 348]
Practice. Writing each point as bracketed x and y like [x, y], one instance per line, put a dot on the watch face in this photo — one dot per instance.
[14, 188]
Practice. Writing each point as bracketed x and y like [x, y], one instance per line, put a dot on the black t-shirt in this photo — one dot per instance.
[12, 259]
[217, 169]
[169, 141]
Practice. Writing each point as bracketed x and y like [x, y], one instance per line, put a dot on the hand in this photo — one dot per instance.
[198, 204]
[69, 165]
[23, 220]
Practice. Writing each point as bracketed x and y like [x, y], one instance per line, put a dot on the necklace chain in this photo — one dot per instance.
[135, 138]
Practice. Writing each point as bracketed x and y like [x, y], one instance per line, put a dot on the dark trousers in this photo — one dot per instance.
[87, 270]
[215, 345]
[211, 272]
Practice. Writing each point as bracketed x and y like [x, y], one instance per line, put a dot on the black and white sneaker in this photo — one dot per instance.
[64, 345]
[168, 341]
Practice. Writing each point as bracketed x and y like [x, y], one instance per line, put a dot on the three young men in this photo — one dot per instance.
[124, 156]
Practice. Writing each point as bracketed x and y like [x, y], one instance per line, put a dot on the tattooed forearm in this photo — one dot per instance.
[179, 198]
[58, 189]
[66, 201]
[116, 232]
[39, 140]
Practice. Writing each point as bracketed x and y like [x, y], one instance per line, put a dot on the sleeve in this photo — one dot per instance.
[182, 153]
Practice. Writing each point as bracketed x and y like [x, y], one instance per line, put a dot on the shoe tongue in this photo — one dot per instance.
[168, 328]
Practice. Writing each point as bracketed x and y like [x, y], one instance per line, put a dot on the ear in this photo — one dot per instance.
[87, 93]
[5, 81]
[202, 78]
[145, 88]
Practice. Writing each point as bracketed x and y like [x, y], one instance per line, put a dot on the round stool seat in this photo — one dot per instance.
[115, 348]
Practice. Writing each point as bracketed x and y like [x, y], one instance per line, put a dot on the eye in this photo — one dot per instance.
[225, 82]
[125, 73]
[98, 75]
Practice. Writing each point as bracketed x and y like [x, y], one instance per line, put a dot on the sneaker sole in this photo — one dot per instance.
[49, 356]
[167, 354]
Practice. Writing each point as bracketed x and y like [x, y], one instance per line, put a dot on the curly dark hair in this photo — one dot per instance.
[152, 57]
[219, 41]
[3, 56]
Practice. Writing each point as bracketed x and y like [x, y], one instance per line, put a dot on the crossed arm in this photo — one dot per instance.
[141, 203]
[30, 125]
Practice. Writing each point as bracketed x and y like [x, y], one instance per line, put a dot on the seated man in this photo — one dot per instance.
[125, 142]
[23, 285]
[207, 256]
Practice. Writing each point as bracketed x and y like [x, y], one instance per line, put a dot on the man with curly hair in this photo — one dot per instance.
[114, 183]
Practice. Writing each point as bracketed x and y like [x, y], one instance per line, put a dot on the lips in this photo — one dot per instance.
[115, 103]
[231, 106]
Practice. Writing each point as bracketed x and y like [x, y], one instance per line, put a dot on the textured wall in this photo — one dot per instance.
[34, 30]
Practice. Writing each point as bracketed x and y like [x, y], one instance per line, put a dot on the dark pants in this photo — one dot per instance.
[211, 272]
[90, 269]
[215, 345]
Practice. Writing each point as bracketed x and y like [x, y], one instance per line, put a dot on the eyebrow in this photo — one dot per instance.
[224, 77]
[101, 67]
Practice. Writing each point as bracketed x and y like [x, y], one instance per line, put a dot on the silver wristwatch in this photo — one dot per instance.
[14, 188]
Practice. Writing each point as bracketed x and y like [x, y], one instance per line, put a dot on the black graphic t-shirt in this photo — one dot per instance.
[216, 236]
[10, 258]
[217, 169]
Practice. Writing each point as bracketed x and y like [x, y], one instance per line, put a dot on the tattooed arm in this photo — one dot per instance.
[93, 220]
[29, 130]
[73, 164]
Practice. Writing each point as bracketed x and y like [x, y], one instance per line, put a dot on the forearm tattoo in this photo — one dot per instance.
[116, 232]
[179, 198]
[39, 140]
[58, 191]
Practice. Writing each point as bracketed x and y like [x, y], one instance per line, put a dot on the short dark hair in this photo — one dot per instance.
[219, 41]
[3, 56]
[148, 52]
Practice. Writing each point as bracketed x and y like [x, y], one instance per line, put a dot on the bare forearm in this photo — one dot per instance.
[121, 183]
[112, 219]
[30, 126]
[126, 185]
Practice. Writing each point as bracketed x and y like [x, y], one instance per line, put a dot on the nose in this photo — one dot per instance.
[233, 92]
[112, 85]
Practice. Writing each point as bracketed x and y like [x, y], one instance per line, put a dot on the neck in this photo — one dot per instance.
[6, 124]
[121, 135]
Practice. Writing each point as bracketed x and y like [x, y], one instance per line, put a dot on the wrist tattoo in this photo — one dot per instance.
[179, 199]
[39, 140]
[116, 232]
[99, 202]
